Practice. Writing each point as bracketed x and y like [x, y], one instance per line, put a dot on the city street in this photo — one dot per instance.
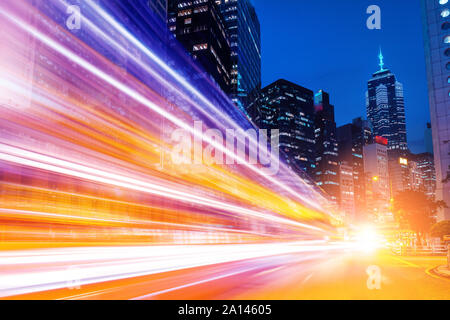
[224, 150]
[338, 274]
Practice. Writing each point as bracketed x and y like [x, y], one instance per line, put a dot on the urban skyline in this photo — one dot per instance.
[351, 53]
[142, 157]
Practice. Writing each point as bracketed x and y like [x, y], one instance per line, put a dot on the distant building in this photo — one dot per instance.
[416, 176]
[425, 162]
[436, 15]
[352, 138]
[290, 108]
[386, 108]
[402, 172]
[347, 191]
[243, 29]
[326, 173]
[377, 179]
[199, 27]
[412, 172]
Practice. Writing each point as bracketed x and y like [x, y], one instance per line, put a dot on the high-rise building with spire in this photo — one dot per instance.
[386, 108]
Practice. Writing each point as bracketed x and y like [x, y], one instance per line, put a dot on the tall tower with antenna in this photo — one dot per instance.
[386, 108]
[380, 56]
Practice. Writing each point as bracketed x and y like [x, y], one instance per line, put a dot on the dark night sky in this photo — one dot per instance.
[326, 45]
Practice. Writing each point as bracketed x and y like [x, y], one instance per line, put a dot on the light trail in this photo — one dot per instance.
[86, 180]
[144, 101]
[192, 89]
[87, 173]
[82, 266]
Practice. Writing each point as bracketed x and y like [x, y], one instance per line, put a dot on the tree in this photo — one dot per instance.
[441, 229]
[416, 211]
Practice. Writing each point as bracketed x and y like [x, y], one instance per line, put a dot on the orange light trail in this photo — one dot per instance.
[85, 158]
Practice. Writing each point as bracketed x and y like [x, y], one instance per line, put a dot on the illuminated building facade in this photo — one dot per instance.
[352, 138]
[401, 174]
[199, 27]
[347, 191]
[327, 167]
[243, 29]
[425, 162]
[386, 108]
[412, 172]
[290, 108]
[377, 179]
[436, 15]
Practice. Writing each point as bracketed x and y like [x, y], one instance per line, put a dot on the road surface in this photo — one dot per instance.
[311, 274]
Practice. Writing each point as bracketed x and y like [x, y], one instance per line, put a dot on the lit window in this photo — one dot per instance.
[188, 21]
[445, 13]
[184, 13]
[201, 9]
[447, 40]
[443, 2]
[199, 47]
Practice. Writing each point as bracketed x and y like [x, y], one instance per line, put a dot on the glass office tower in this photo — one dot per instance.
[436, 23]
[327, 160]
[199, 27]
[290, 108]
[244, 33]
[352, 138]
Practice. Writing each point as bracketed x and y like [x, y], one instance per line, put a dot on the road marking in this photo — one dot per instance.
[150, 295]
[268, 271]
[87, 294]
[428, 272]
[307, 278]
[407, 262]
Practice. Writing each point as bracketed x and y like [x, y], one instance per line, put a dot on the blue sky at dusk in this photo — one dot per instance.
[326, 45]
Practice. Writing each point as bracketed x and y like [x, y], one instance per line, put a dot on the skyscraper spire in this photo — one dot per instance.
[380, 56]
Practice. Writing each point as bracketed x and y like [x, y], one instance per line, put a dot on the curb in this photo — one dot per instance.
[435, 272]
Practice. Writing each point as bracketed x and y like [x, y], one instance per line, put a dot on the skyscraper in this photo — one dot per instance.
[401, 174]
[386, 108]
[377, 180]
[425, 162]
[347, 191]
[244, 34]
[199, 27]
[327, 162]
[436, 15]
[289, 108]
[352, 138]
